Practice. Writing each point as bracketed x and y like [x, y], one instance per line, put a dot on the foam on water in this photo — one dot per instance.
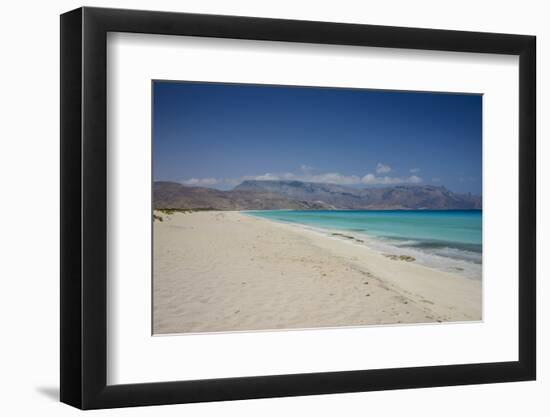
[445, 240]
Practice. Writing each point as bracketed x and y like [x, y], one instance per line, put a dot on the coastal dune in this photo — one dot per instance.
[217, 271]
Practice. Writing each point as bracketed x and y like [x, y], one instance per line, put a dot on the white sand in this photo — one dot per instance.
[226, 271]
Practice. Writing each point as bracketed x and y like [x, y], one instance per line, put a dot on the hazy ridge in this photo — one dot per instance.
[298, 195]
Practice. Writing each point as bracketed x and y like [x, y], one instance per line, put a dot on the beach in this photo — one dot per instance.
[219, 271]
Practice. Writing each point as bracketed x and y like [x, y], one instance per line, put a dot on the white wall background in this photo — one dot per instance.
[29, 237]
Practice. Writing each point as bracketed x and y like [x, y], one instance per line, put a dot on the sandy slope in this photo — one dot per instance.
[226, 271]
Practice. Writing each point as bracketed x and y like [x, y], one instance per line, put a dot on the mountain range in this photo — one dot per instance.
[299, 195]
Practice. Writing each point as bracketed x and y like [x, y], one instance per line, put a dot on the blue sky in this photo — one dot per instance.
[217, 135]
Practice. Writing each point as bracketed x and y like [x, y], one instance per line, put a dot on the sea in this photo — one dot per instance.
[448, 240]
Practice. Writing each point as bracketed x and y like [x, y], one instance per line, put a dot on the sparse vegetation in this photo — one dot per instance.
[170, 211]
[159, 218]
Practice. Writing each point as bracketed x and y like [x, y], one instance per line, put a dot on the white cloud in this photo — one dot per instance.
[265, 177]
[306, 168]
[201, 181]
[329, 177]
[333, 178]
[414, 170]
[382, 168]
[372, 179]
[307, 176]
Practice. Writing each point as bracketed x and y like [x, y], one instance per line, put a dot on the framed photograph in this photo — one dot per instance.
[260, 208]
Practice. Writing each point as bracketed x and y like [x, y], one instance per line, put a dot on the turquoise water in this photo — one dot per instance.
[448, 239]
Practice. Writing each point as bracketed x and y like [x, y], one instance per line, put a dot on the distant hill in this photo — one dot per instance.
[342, 197]
[175, 195]
[298, 195]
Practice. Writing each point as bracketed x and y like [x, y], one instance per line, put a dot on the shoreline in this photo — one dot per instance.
[225, 271]
[470, 270]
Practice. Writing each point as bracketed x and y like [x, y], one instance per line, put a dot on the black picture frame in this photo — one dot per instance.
[84, 208]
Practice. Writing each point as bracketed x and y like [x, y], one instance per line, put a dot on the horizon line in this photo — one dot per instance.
[358, 187]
